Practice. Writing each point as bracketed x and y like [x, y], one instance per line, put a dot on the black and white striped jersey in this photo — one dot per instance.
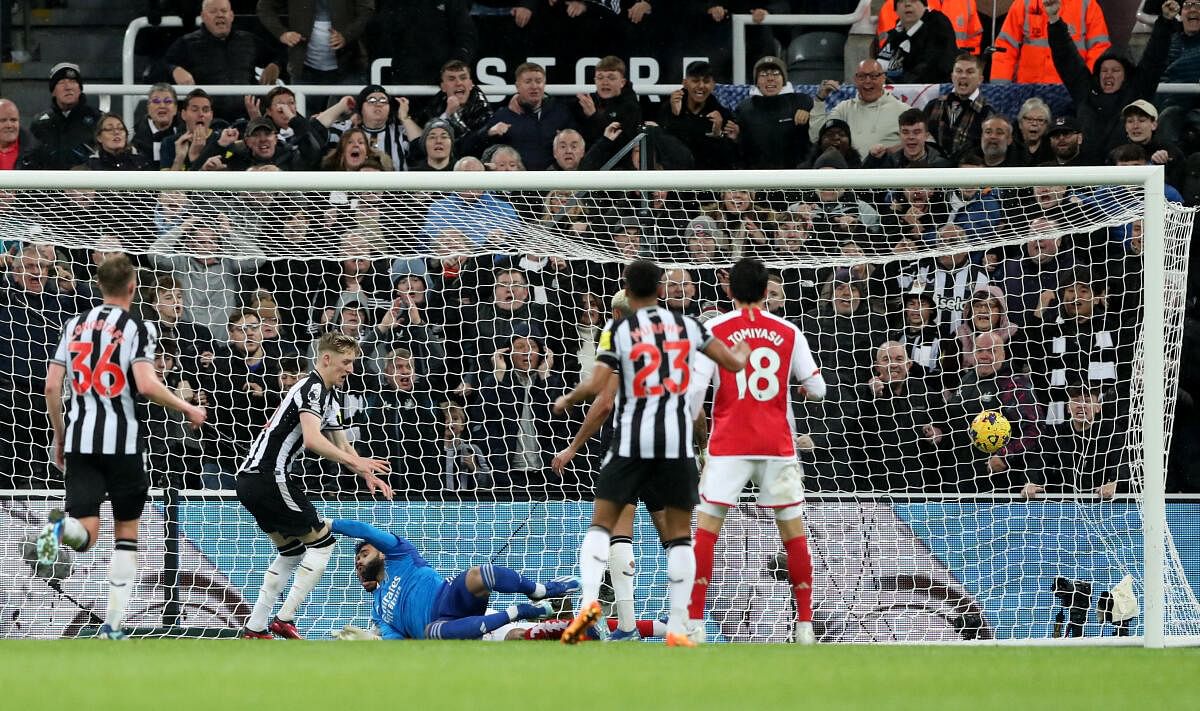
[652, 351]
[98, 348]
[282, 437]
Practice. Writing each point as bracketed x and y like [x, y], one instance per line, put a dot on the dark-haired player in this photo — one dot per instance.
[413, 601]
[752, 435]
[653, 351]
[107, 356]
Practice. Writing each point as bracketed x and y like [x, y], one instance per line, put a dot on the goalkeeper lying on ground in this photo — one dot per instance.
[413, 601]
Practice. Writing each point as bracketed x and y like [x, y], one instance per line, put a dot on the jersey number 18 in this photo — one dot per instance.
[762, 382]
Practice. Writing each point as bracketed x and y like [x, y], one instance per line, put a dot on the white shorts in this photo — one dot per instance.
[780, 481]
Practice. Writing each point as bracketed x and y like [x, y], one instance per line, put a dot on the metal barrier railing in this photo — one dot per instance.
[740, 22]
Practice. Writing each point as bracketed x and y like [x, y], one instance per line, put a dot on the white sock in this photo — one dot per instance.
[593, 559]
[621, 571]
[74, 534]
[122, 570]
[681, 574]
[312, 567]
[268, 594]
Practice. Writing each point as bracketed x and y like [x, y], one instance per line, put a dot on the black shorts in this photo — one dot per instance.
[277, 506]
[122, 477]
[659, 483]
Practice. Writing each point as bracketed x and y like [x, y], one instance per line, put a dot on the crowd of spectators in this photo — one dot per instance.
[465, 351]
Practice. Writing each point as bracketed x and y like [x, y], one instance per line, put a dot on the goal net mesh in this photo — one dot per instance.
[923, 306]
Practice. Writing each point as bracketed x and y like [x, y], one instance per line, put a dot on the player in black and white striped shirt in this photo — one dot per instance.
[652, 351]
[107, 356]
[310, 418]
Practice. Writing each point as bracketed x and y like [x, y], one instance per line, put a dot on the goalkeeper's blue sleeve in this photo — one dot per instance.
[387, 631]
[388, 543]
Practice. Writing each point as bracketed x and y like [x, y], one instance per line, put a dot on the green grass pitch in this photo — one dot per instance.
[173, 675]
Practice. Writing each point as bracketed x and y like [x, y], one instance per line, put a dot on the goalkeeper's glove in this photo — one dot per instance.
[350, 633]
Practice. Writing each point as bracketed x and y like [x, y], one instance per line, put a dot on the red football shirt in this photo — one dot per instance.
[752, 409]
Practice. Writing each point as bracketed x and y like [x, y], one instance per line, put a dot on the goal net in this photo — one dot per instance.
[1053, 300]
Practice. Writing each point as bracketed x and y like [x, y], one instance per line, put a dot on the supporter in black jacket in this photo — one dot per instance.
[922, 46]
[696, 118]
[1099, 95]
[613, 100]
[218, 54]
[66, 131]
[772, 129]
[402, 426]
[113, 151]
[459, 102]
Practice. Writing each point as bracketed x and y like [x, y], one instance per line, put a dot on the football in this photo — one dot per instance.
[990, 431]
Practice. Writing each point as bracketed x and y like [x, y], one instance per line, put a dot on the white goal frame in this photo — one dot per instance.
[1150, 178]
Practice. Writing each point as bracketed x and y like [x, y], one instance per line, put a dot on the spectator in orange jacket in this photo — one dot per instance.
[963, 15]
[1023, 45]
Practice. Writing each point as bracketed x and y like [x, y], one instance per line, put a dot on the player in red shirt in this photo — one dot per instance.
[752, 435]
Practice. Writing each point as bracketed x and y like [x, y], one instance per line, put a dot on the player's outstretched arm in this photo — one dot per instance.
[586, 390]
[373, 482]
[151, 388]
[316, 442]
[55, 373]
[733, 359]
[592, 422]
[388, 543]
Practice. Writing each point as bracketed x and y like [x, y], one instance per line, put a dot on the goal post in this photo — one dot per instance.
[884, 487]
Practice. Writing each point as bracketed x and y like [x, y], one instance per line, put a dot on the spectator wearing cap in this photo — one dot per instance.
[1066, 142]
[614, 100]
[956, 119]
[16, 143]
[162, 122]
[695, 117]
[216, 53]
[260, 146]
[921, 48]
[458, 100]
[871, 115]
[435, 151]
[771, 128]
[1100, 95]
[308, 136]
[113, 151]
[1141, 129]
[66, 131]
[835, 136]
[324, 39]
[528, 122]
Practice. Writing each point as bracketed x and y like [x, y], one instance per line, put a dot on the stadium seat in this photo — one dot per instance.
[814, 56]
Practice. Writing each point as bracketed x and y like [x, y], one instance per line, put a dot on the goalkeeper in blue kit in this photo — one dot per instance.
[411, 600]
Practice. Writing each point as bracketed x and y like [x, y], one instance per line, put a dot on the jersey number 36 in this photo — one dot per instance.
[88, 379]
